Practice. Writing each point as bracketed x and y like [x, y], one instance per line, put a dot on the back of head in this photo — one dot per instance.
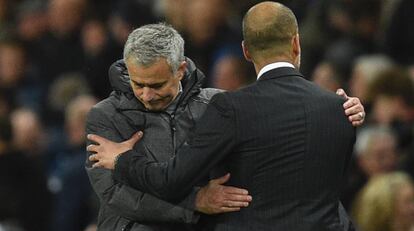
[268, 28]
[148, 43]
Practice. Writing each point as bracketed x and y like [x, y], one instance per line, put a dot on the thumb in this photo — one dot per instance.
[221, 180]
[342, 93]
[135, 138]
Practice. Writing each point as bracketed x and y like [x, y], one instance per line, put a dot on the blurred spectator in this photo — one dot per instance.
[60, 50]
[5, 104]
[326, 21]
[4, 7]
[29, 135]
[386, 204]
[399, 36]
[207, 42]
[64, 89]
[376, 153]
[175, 13]
[99, 55]
[31, 20]
[73, 209]
[232, 72]
[362, 39]
[65, 16]
[327, 76]
[15, 79]
[392, 97]
[376, 150]
[339, 31]
[24, 199]
[366, 68]
[12, 64]
[127, 15]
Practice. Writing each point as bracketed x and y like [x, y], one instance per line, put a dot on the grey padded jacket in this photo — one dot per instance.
[117, 118]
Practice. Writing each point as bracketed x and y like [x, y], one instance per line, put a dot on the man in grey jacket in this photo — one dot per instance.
[159, 92]
[164, 97]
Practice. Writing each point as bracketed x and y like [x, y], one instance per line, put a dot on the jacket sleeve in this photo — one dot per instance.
[213, 139]
[124, 200]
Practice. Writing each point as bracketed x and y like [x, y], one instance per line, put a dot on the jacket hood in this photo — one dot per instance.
[119, 78]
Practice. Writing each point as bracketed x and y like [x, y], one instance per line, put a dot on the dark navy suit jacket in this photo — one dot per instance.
[283, 138]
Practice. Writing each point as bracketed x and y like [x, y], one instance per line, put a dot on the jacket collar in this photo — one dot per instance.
[280, 72]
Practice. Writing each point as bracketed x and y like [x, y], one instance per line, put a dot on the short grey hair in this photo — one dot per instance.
[148, 43]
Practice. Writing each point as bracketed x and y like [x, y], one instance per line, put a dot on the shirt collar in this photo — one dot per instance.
[272, 66]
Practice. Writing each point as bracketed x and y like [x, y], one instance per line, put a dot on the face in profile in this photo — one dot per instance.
[155, 86]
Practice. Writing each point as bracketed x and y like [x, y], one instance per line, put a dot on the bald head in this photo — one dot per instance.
[268, 29]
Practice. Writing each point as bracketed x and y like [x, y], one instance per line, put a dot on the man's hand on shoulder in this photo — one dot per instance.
[107, 151]
[217, 198]
[353, 108]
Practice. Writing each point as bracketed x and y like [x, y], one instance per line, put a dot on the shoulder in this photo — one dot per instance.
[206, 94]
[101, 111]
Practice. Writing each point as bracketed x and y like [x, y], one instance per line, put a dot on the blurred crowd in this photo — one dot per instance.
[54, 59]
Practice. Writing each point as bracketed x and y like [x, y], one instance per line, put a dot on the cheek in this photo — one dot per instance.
[137, 92]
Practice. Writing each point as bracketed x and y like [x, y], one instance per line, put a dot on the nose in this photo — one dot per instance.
[147, 94]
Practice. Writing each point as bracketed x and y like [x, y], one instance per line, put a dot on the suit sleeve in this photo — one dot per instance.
[212, 140]
[126, 201]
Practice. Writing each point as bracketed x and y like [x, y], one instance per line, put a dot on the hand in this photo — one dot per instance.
[106, 151]
[353, 108]
[216, 198]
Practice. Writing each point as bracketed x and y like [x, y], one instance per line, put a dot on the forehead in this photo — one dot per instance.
[159, 71]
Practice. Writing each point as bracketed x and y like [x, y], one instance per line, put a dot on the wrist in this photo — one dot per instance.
[199, 204]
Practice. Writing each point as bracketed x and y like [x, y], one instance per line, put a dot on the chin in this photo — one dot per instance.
[156, 107]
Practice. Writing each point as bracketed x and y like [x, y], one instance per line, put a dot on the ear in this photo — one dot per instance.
[181, 69]
[296, 45]
[246, 52]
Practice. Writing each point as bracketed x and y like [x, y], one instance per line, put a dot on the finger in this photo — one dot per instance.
[93, 158]
[357, 123]
[135, 138]
[97, 165]
[342, 93]
[354, 110]
[95, 138]
[355, 118]
[236, 197]
[234, 190]
[228, 209]
[221, 180]
[351, 102]
[92, 148]
[233, 204]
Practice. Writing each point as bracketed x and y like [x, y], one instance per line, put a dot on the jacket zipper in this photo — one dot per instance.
[173, 130]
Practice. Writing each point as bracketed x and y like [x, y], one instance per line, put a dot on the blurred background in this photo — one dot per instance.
[54, 58]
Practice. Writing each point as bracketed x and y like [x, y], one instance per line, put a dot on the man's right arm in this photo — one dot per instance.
[124, 200]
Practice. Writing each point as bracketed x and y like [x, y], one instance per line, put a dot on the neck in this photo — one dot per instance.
[258, 65]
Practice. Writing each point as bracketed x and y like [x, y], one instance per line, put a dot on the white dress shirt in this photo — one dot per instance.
[272, 66]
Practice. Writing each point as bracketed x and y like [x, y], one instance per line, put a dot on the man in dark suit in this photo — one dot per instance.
[283, 138]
